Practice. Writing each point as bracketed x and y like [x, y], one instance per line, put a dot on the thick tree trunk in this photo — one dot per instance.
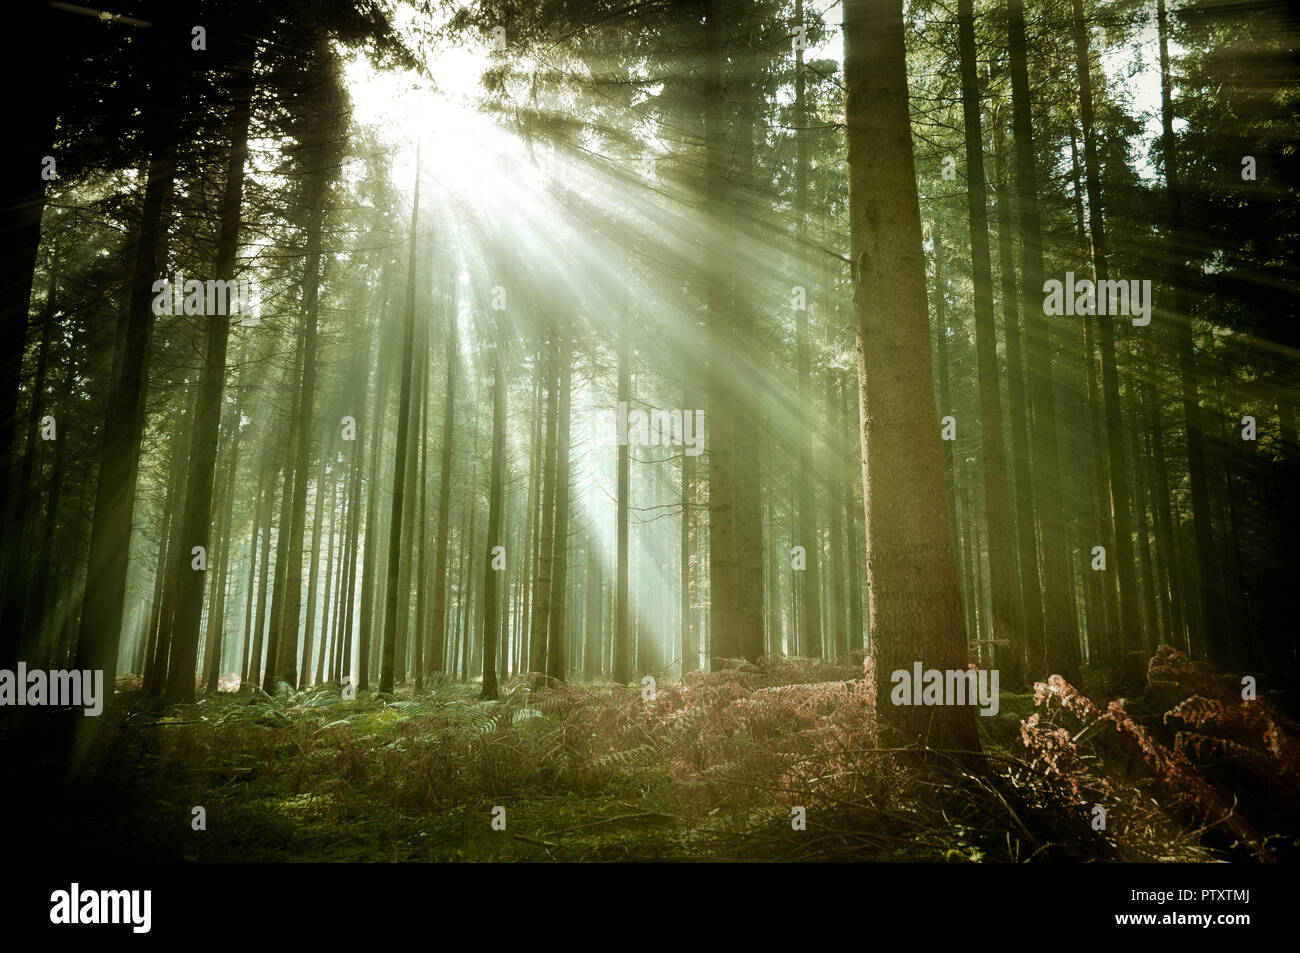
[912, 570]
[100, 631]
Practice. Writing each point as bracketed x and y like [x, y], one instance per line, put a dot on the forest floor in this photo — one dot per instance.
[714, 769]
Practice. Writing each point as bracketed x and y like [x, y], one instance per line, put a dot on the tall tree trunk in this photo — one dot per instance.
[1062, 648]
[1213, 625]
[807, 535]
[539, 627]
[491, 576]
[45, 549]
[318, 190]
[1005, 622]
[1121, 492]
[333, 581]
[555, 650]
[399, 467]
[621, 648]
[370, 568]
[313, 583]
[748, 356]
[253, 671]
[13, 606]
[687, 647]
[422, 523]
[835, 465]
[217, 614]
[100, 631]
[30, 126]
[1031, 596]
[848, 478]
[532, 516]
[155, 673]
[591, 655]
[725, 627]
[195, 525]
[911, 567]
[438, 637]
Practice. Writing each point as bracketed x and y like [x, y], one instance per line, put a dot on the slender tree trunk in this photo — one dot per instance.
[422, 523]
[1062, 648]
[313, 584]
[195, 524]
[387, 661]
[807, 534]
[491, 576]
[217, 614]
[1031, 597]
[1213, 625]
[555, 651]
[1121, 492]
[539, 628]
[849, 481]
[836, 626]
[1005, 621]
[155, 674]
[45, 550]
[334, 581]
[591, 656]
[369, 570]
[253, 673]
[438, 637]
[687, 647]
[725, 626]
[747, 356]
[621, 648]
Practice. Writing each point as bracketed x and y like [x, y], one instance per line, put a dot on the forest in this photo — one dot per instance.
[627, 430]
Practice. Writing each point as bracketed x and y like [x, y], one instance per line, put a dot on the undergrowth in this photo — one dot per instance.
[711, 768]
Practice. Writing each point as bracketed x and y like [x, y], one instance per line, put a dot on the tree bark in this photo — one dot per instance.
[1062, 649]
[1005, 622]
[911, 567]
